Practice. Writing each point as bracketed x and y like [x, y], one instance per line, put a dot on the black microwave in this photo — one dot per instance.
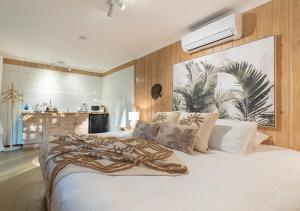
[95, 108]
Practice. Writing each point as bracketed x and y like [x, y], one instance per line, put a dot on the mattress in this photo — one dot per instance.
[266, 180]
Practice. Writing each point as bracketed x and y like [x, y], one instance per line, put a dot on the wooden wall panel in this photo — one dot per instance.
[279, 18]
[295, 75]
[281, 10]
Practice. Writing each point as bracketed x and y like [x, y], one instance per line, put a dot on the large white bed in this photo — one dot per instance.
[267, 180]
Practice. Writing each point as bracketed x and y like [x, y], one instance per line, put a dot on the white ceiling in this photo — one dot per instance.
[47, 30]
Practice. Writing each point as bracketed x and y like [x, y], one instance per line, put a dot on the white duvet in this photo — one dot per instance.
[267, 180]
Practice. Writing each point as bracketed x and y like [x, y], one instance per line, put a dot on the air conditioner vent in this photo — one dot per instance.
[217, 32]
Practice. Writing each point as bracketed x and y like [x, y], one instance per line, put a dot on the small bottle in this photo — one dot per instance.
[26, 107]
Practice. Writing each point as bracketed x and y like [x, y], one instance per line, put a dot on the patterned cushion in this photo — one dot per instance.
[178, 137]
[146, 130]
[171, 117]
[205, 122]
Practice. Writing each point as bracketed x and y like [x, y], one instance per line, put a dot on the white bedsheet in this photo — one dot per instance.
[267, 180]
[118, 133]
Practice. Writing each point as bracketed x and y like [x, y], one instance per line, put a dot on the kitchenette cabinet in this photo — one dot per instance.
[38, 127]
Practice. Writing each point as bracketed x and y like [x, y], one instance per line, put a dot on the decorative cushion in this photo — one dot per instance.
[170, 117]
[146, 130]
[205, 122]
[233, 136]
[178, 137]
[260, 138]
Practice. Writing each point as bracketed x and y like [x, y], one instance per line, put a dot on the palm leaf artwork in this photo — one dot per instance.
[221, 97]
[241, 89]
[267, 118]
[252, 103]
[198, 92]
[176, 103]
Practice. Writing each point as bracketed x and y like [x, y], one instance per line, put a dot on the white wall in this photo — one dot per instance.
[1, 129]
[118, 96]
[65, 90]
[1, 70]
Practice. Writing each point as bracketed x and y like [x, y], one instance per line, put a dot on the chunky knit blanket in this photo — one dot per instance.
[105, 155]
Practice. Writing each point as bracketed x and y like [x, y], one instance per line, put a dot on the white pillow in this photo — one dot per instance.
[233, 136]
[170, 117]
[204, 122]
[260, 138]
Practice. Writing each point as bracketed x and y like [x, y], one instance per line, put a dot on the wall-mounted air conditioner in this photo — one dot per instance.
[216, 32]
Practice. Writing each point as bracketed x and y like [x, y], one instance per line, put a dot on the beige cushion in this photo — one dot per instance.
[146, 130]
[180, 137]
[260, 138]
[205, 122]
[170, 117]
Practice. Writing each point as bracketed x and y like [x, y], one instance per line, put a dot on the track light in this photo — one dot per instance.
[121, 4]
[111, 3]
[110, 8]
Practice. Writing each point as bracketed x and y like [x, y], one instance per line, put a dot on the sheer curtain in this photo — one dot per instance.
[1, 128]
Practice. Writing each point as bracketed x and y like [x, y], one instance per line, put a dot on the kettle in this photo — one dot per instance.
[37, 108]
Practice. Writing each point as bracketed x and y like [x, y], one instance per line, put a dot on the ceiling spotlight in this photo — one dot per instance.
[121, 4]
[111, 3]
[82, 37]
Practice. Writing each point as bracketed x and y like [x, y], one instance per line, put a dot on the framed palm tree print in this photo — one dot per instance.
[239, 83]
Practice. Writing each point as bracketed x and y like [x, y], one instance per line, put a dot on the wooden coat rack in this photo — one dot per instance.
[12, 96]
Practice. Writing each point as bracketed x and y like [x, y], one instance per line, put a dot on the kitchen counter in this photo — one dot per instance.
[41, 126]
[45, 113]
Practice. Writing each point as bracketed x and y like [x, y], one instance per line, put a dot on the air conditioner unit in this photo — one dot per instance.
[216, 32]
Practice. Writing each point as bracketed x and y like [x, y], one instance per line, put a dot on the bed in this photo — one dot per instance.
[268, 179]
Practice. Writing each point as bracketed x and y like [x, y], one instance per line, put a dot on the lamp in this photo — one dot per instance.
[133, 118]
